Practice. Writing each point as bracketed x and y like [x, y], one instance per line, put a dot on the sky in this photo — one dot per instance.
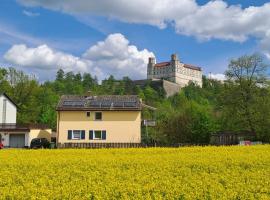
[116, 37]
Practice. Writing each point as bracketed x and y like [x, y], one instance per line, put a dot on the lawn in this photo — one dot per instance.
[155, 173]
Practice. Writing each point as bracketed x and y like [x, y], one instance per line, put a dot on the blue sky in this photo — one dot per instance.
[41, 37]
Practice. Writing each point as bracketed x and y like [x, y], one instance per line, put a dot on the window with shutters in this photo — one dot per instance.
[76, 134]
[97, 135]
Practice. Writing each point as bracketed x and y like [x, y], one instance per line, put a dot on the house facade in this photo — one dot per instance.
[174, 71]
[8, 110]
[13, 135]
[98, 119]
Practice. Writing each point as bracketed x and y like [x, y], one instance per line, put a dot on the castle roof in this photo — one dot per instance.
[192, 67]
[164, 64]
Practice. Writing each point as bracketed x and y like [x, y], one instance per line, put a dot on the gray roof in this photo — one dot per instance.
[106, 102]
[12, 127]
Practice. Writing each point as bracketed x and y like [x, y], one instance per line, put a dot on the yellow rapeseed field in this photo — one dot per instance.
[156, 173]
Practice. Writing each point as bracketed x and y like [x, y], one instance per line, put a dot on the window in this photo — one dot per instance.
[98, 116]
[88, 114]
[76, 134]
[97, 135]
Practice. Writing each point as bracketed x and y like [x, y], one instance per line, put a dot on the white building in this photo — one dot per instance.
[174, 71]
[8, 110]
[12, 134]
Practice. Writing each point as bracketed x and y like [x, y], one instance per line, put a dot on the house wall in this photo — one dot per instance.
[5, 137]
[120, 126]
[11, 111]
[34, 133]
[38, 133]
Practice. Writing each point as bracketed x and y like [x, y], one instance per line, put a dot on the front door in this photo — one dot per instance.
[17, 140]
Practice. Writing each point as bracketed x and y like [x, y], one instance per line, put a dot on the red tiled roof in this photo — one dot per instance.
[192, 67]
[164, 64]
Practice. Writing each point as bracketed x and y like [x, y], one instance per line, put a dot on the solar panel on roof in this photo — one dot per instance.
[130, 104]
[94, 104]
[118, 104]
[73, 103]
[106, 104]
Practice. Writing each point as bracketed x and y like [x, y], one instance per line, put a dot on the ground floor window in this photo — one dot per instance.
[76, 134]
[97, 135]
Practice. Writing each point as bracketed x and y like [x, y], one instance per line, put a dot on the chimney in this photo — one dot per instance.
[88, 93]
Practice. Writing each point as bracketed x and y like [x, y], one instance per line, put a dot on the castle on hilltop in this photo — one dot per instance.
[170, 76]
[174, 71]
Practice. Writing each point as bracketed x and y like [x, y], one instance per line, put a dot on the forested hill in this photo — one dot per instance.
[241, 103]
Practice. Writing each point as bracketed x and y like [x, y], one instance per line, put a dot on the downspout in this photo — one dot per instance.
[58, 119]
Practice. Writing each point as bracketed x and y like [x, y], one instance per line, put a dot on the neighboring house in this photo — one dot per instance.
[15, 135]
[8, 110]
[99, 119]
[174, 71]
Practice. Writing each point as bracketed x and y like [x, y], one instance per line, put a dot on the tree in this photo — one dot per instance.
[243, 100]
[60, 75]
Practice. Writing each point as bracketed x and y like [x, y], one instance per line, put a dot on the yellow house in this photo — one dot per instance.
[98, 119]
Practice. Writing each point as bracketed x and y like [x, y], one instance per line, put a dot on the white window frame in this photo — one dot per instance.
[94, 135]
[73, 138]
[89, 114]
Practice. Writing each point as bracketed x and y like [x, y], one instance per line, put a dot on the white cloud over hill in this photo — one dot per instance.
[114, 56]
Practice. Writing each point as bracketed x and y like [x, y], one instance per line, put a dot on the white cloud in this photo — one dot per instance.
[30, 14]
[219, 77]
[215, 19]
[113, 56]
[43, 57]
[265, 44]
[154, 12]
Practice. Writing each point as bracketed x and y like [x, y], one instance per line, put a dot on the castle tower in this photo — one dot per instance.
[150, 67]
[174, 60]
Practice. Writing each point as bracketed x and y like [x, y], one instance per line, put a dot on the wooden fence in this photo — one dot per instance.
[122, 145]
[99, 145]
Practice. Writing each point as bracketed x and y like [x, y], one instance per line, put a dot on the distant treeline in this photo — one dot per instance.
[241, 103]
